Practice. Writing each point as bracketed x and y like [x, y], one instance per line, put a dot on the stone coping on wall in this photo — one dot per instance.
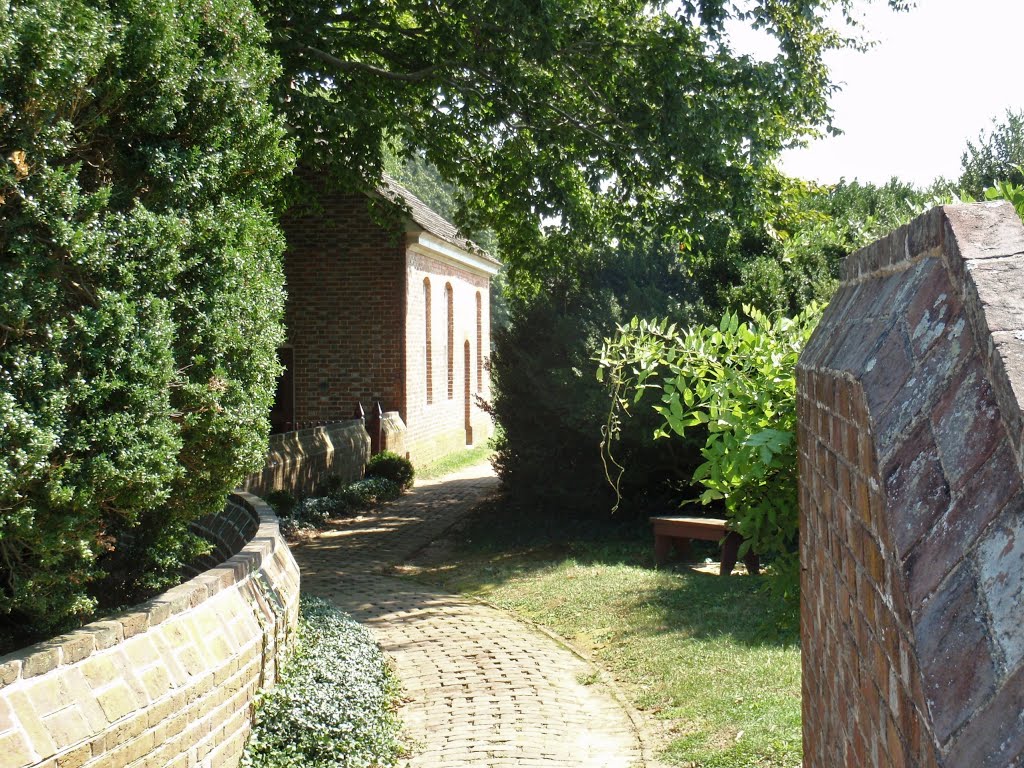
[912, 500]
[167, 682]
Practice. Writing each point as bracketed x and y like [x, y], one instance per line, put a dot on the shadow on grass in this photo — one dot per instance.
[499, 543]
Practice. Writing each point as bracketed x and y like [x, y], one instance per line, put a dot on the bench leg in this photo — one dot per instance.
[730, 552]
[662, 546]
[753, 563]
[665, 545]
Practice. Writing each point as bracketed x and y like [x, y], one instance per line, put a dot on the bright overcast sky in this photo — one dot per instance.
[938, 76]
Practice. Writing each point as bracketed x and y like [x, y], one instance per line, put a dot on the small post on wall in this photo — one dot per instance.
[374, 426]
[359, 413]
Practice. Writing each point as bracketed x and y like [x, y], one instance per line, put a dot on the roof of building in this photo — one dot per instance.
[429, 219]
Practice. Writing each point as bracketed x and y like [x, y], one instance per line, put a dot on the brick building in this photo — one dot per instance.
[386, 302]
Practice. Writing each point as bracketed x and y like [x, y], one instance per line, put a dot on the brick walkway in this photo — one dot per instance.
[484, 689]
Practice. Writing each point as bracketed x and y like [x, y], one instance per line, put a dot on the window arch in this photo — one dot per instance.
[450, 301]
[427, 356]
[479, 343]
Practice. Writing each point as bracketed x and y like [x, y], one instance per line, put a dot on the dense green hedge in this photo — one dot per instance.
[141, 295]
[335, 706]
[390, 466]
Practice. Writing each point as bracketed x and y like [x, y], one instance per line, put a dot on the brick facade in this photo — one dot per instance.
[438, 427]
[912, 502]
[357, 324]
[345, 311]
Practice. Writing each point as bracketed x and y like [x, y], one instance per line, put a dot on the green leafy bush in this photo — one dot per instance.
[550, 407]
[737, 381]
[283, 502]
[335, 705]
[310, 513]
[996, 156]
[370, 490]
[141, 291]
[391, 466]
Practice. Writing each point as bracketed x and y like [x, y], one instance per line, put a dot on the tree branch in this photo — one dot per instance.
[359, 66]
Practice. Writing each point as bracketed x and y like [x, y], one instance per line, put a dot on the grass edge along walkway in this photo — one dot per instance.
[683, 644]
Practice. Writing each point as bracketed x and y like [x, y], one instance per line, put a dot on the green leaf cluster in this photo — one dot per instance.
[141, 291]
[338, 499]
[551, 408]
[335, 704]
[737, 381]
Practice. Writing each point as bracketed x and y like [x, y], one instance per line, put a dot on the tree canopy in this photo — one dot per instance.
[567, 124]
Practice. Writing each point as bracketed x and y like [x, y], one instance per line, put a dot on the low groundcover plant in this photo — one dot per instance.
[335, 704]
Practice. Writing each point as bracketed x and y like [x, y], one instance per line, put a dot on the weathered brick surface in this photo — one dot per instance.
[170, 679]
[344, 315]
[910, 438]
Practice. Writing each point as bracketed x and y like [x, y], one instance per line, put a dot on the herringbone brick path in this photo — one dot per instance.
[483, 688]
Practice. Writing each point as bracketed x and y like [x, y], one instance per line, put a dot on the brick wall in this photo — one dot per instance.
[345, 308]
[912, 503]
[356, 322]
[170, 682]
[300, 461]
[439, 427]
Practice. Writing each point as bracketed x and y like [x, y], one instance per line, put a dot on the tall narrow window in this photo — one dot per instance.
[427, 356]
[450, 300]
[479, 343]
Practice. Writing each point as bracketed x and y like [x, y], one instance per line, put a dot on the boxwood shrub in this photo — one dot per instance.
[141, 291]
[391, 466]
[336, 703]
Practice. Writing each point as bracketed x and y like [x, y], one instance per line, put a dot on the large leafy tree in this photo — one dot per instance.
[141, 292]
[604, 142]
[568, 125]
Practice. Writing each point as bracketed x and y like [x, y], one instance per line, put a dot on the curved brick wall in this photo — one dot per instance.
[912, 501]
[169, 683]
[303, 459]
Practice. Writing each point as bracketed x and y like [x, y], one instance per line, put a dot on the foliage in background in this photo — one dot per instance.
[141, 291]
[390, 466]
[997, 156]
[737, 381]
[812, 236]
[335, 705]
[551, 408]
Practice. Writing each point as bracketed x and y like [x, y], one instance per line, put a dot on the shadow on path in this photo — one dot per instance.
[483, 689]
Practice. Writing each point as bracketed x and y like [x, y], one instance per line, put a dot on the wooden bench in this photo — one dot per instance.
[676, 532]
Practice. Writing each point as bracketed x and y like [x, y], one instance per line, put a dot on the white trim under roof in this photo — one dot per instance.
[429, 245]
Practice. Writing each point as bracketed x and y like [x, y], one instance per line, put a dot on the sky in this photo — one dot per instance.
[937, 77]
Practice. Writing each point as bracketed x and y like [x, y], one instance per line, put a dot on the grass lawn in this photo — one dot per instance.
[453, 462]
[685, 646]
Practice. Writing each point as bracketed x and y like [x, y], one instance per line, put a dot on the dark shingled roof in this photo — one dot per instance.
[429, 219]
